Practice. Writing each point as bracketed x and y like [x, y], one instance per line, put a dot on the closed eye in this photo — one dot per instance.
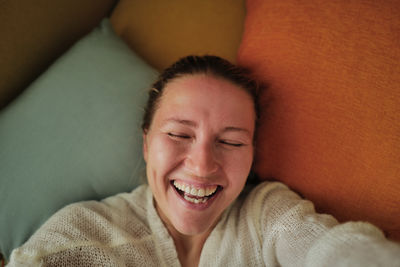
[178, 136]
[230, 143]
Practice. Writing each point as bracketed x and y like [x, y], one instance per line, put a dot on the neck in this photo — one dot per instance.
[189, 247]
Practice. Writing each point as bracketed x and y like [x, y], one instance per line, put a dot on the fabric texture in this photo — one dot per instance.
[271, 226]
[164, 31]
[330, 126]
[35, 34]
[73, 135]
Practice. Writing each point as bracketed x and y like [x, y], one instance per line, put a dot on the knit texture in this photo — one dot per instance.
[270, 226]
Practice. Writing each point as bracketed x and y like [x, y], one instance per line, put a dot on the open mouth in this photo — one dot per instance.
[196, 195]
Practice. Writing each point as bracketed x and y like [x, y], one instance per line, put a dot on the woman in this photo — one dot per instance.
[198, 144]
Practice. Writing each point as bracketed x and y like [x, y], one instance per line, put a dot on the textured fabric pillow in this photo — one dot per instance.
[73, 135]
[163, 31]
[332, 129]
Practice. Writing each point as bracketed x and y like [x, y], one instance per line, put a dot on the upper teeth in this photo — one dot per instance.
[200, 192]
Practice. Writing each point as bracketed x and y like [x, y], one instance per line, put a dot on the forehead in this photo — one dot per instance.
[204, 85]
[204, 96]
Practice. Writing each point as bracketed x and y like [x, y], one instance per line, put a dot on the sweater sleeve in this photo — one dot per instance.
[354, 244]
[293, 234]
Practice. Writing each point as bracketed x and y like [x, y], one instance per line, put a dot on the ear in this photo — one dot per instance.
[144, 135]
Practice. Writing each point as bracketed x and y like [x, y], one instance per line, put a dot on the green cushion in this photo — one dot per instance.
[73, 135]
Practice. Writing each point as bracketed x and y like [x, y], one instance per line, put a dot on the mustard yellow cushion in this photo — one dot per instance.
[163, 31]
[332, 131]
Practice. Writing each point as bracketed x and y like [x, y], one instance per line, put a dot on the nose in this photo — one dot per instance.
[201, 160]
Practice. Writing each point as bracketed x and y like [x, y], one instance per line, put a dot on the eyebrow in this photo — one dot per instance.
[181, 121]
[194, 125]
[236, 129]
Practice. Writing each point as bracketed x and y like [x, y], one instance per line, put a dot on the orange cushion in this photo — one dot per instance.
[163, 31]
[332, 129]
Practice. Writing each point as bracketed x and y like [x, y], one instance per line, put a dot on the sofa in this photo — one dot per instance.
[74, 78]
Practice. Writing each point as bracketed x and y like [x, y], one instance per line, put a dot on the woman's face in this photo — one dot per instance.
[199, 150]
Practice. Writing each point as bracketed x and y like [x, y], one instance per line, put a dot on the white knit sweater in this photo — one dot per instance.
[270, 226]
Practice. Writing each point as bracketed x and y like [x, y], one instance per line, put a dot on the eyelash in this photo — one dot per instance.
[231, 144]
[178, 136]
[182, 136]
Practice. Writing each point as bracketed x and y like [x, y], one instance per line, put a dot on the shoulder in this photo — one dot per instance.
[266, 218]
[273, 197]
[274, 208]
[112, 210]
[87, 224]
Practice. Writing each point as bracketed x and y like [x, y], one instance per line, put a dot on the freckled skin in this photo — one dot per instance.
[201, 152]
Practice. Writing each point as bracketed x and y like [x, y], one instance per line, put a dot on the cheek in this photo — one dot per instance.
[161, 159]
[238, 166]
[163, 153]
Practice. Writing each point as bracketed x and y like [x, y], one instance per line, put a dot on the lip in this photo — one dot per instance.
[198, 206]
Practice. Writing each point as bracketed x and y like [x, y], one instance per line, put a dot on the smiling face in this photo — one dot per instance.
[199, 150]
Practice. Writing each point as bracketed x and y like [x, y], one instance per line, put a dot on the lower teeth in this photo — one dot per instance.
[196, 200]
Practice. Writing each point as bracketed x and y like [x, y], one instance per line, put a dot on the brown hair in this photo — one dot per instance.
[191, 65]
